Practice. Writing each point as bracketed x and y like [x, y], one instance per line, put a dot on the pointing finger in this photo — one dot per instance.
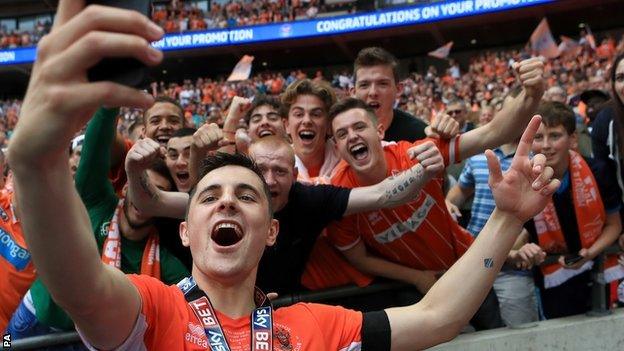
[524, 147]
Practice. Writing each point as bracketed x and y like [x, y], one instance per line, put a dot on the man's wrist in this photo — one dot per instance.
[507, 218]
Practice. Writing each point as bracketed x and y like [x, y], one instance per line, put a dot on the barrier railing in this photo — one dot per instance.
[599, 302]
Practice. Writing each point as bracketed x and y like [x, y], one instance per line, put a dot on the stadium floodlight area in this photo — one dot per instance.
[395, 17]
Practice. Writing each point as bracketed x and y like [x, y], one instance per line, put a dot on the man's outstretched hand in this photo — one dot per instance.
[60, 99]
[526, 187]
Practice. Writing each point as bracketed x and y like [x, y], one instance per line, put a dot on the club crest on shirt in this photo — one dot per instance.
[104, 228]
[374, 217]
[283, 337]
[285, 340]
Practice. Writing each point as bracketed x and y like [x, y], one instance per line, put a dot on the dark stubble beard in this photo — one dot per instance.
[134, 225]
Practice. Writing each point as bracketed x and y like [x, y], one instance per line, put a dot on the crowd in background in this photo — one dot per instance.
[10, 39]
[485, 82]
[181, 16]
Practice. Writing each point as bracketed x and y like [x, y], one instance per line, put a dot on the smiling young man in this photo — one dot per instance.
[177, 158]
[414, 242]
[163, 119]
[265, 118]
[308, 103]
[228, 225]
[378, 84]
[582, 219]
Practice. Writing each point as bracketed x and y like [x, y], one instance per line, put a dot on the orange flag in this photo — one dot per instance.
[543, 42]
[567, 45]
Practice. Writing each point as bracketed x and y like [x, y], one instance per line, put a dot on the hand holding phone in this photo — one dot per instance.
[122, 70]
[571, 259]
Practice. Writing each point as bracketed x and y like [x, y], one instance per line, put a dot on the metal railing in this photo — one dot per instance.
[599, 304]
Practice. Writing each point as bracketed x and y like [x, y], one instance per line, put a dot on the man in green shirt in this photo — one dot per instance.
[124, 237]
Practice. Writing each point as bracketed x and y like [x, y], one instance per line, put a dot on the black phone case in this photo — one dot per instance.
[126, 71]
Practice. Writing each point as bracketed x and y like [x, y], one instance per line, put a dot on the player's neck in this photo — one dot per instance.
[561, 168]
[386, 117]
[313, 161]
[373, 174]
[234, 298]
[132, 234]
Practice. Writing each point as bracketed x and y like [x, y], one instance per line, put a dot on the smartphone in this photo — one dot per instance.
[572, 259]
[126, 71]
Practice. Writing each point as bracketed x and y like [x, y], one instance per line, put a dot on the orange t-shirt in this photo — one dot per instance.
[168, 323]
[420, 234]
[17, 271]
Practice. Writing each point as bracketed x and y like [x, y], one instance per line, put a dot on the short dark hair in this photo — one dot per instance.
[165, 99]
[264, 100]
[375, 56]
[457, 101]
[161, 169]
[222, 159]
[136, 124]
[350, 104]
[555, 114]
[182, 132]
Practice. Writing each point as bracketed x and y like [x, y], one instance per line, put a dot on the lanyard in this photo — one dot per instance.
[261, 318]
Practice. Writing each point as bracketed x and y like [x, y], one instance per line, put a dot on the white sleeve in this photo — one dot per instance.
[134, 342]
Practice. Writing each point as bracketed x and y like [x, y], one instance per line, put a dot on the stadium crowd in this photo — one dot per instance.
[181, 16]
[10, 39]
[351, 168]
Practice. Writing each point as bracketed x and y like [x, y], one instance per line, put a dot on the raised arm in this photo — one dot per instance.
[238, 109]
[92, 183]
[456, 296]
[207, 138]
[402, 188]
[144, 194]
[59, 101]
[513, 118]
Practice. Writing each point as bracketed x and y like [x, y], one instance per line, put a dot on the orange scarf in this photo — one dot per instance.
[590, 218]
[111, 253]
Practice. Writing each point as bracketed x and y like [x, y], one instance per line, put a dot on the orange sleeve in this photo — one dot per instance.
[343, 233]
[158, 307]
[341, 328]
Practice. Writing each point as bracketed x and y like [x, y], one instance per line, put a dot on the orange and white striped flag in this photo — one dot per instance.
[442, 52]
[543, 42]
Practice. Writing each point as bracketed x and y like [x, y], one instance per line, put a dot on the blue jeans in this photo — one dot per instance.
[24, 324]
